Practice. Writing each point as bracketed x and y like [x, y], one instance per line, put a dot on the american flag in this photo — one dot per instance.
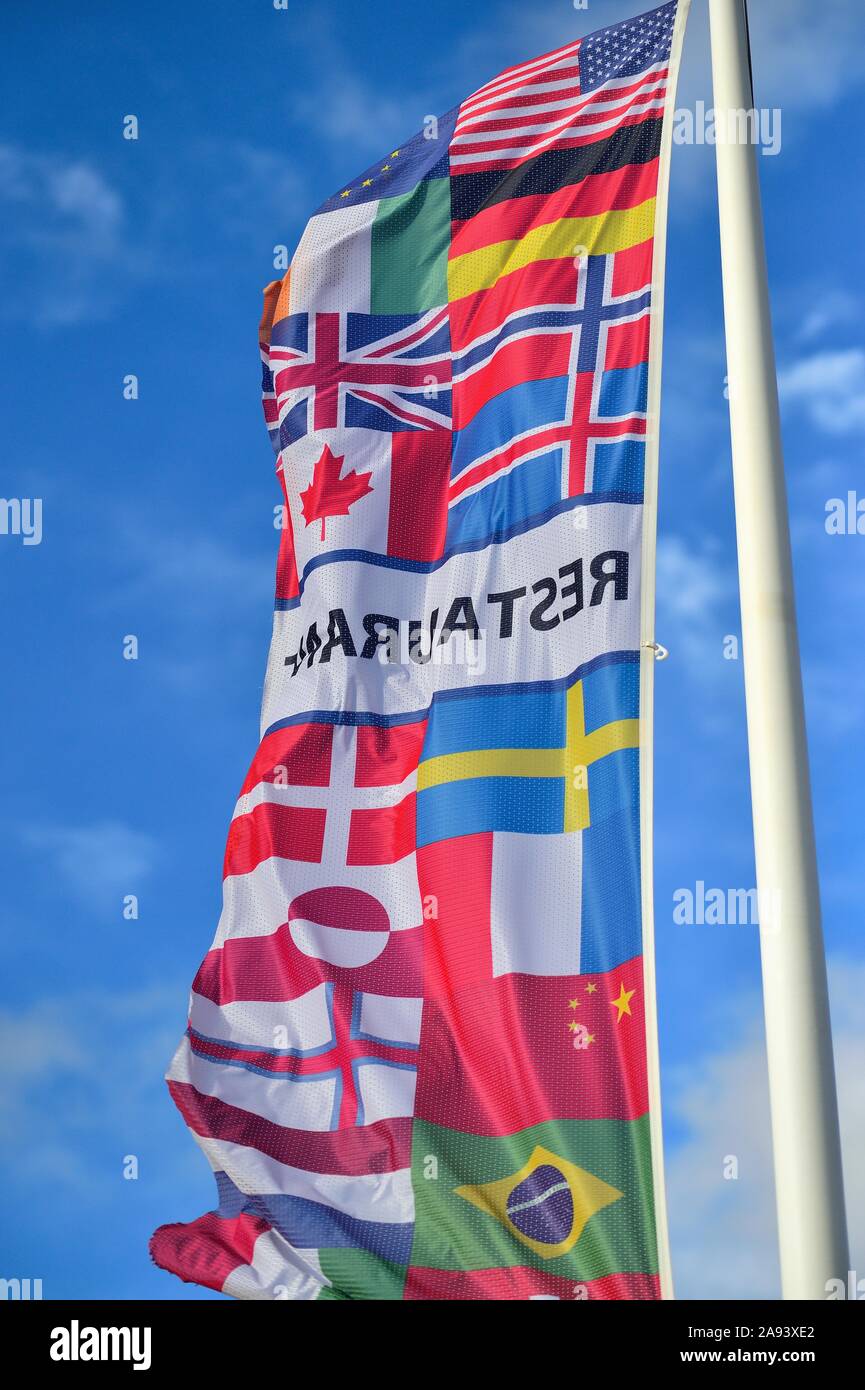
[570, 97]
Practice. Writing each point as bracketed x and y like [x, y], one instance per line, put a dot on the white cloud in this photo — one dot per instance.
[61, 225]
[829, 387]
[806, 57]
[834, 695]
[34, 1044]
[798, 64]
[804, 60]
[248, 192]
[690, 582]
[69, 203]
[337, 103]
[210, 597]
[98, 863]
[359, 115]
[695, 590]
[724, 1232]
[74, 246]
[831, 308]
[80, 1087]
[195, 573]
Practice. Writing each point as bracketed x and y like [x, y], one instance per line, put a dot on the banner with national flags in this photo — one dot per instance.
[420, 1056]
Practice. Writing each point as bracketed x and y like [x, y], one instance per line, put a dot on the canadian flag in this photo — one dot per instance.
[363, 491]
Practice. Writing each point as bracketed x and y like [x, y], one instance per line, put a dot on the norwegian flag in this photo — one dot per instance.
[380, 372]
[581, 346]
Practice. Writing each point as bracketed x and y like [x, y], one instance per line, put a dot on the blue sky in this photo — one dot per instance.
[119, 777]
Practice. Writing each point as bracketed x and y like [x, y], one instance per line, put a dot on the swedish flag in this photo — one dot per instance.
[542, 758]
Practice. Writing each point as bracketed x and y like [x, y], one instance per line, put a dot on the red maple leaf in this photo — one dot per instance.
[330, 495]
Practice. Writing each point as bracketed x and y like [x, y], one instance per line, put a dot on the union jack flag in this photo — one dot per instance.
[382, 372]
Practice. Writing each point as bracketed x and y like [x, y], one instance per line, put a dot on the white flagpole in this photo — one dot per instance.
[807, 1151]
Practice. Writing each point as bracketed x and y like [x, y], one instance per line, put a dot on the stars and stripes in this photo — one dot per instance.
[622, 50]
[573, 96]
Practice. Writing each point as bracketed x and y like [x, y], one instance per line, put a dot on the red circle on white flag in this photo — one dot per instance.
[343, 926]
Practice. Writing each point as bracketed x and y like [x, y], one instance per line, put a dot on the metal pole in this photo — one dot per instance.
[807, 1150]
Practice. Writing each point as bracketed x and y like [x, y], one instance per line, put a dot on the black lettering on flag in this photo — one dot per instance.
[415, 633]
[617, 576]
[313, 642]
[507, 600]
[338, 635]
[461, 618]
[536, 617]
[389, 638]
[575, 568]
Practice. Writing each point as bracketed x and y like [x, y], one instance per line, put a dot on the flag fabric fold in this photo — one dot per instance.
[419, 1051]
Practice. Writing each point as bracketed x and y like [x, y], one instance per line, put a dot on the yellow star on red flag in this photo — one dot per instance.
[623, 1003]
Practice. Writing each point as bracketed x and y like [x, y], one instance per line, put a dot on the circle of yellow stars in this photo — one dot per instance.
[367, 183]
[622, 1005]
